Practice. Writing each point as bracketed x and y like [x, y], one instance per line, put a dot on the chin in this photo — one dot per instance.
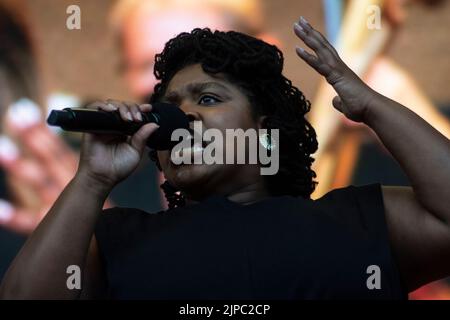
[191, 178]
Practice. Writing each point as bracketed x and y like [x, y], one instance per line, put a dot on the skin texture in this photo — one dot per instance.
[37, 176]
[365, 52]
[221, 106]
[420, 235]
[417, 218]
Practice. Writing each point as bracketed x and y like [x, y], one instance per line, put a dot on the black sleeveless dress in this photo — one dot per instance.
[279, 248]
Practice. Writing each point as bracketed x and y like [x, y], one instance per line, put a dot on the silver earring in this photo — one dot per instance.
[267, 142]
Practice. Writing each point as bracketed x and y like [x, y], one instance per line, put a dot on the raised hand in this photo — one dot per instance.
[354, 95]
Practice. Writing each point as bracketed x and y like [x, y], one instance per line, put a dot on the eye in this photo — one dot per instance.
[208, 100]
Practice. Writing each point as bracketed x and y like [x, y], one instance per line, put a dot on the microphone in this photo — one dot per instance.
[168, 116]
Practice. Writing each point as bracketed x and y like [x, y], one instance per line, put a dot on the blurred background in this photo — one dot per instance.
[61, 53]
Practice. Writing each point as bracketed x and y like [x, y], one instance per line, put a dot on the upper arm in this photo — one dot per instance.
[94, 278]
[420, 241]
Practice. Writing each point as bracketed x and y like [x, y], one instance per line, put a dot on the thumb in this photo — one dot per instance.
[139, 139]
[337, 104]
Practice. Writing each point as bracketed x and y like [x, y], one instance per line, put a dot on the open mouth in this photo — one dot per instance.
[197, 145]
[194, 150]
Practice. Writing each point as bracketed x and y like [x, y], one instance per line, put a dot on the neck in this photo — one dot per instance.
[244, 194]
[249, 194]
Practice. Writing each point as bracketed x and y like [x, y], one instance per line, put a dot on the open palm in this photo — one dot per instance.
[354, 95]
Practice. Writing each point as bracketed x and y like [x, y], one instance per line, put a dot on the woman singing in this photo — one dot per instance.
[230, 232]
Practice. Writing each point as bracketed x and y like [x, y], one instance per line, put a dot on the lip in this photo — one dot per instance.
[196, 136]
[195, 150]
[193, 137]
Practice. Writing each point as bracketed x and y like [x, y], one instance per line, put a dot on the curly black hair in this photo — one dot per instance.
[255, 67]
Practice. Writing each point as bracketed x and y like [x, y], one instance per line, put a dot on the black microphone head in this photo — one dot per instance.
[59, 118]
[171, 117]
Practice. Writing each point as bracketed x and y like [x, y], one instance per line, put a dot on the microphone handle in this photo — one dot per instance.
[98, 121]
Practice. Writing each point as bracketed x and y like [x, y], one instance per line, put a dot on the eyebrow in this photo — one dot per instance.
[194, 88]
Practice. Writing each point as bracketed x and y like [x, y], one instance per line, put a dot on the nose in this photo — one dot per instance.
[193, 116]
[191, 113]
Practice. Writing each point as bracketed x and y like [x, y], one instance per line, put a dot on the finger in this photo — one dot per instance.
[138, 140]
[337, 104]
[134, 109]
[317, 35]
[89, 138]
[342, 108]
[314, 42]
[307, 39]
[124, 111]
[101, 105]
[146, 107]
[307, 57]
[321, 67]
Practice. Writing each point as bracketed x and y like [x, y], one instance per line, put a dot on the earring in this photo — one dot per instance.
[267, 142]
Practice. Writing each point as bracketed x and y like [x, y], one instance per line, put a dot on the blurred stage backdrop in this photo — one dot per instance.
[61, 53]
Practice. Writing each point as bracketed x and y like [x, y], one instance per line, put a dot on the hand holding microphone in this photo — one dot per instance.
[123, 121]
[116, 134]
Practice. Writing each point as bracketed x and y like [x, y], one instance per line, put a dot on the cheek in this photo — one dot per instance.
[234, 119]
[230, 117]
[164, 158]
